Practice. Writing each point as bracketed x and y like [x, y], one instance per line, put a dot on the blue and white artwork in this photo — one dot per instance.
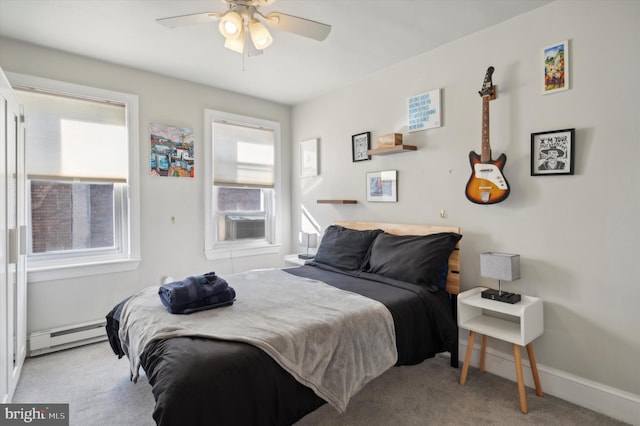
[424, 111]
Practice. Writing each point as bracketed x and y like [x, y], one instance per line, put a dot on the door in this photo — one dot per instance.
[13, 282]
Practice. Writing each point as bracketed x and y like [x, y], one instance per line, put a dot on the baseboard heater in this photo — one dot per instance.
[57, 339]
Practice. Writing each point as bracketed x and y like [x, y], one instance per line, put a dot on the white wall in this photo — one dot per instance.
[167, 248]
[578, 236]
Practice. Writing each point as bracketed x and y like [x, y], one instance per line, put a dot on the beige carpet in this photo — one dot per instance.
[96, 385]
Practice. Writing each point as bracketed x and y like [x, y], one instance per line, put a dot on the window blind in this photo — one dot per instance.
[242, 156]
[70, 138]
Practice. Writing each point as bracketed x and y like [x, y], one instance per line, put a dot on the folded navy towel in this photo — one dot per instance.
[211, 277]
[191, 289]
[214, 287]
[208, 278]
[181, 293]
[199, 290]
[223, 298]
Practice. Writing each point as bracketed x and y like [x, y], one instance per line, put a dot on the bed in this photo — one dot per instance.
[375, 296]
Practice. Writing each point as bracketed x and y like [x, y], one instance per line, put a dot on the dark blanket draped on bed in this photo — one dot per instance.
[200, 381]
[423, 321]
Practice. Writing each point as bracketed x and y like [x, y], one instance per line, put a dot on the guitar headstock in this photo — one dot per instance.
[487, 85]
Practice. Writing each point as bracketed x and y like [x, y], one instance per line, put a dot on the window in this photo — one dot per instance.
[241, 201]
[81, 167]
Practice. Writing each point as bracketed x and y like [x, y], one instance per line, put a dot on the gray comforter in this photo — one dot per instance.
[330, 340]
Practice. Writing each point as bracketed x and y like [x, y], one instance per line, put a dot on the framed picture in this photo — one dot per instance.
[382, 186]
[424, 111]
[309, 158]
[172, 152]
[552, 152]
[556, 67]
[360, 144]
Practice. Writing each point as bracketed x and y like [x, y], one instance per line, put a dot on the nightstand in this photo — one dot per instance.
[519, 323]
[294, 260]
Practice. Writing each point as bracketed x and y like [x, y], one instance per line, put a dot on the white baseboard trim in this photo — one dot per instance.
[617, 404]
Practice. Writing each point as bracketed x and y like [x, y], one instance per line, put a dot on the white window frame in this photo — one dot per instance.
[127, 258]
[214, 249]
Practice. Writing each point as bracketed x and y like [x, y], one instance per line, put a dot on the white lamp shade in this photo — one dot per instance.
[307, 240]
[235, 44]
[260, 36]
[500, 266]
[231, 25]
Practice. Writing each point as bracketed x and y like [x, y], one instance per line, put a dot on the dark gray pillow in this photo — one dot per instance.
[416, 259]
[345, 248]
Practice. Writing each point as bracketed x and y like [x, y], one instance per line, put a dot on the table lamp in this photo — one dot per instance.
[501, 267]
[308, 241]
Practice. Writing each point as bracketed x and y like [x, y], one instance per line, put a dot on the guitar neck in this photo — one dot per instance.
[485, 154]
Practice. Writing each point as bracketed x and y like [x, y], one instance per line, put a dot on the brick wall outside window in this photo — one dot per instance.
[68, 216]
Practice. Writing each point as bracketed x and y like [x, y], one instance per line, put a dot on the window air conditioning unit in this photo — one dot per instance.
[241, 227]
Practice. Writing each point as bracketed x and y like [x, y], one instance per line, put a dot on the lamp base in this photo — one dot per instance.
[499, 296]
[305, 256]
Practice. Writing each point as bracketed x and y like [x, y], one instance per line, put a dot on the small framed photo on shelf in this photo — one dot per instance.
[552, 152]
[360, 144]
[382, 186]
[556, 67]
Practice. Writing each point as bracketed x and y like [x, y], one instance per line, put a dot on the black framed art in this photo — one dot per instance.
[552, 153]
[360, 144]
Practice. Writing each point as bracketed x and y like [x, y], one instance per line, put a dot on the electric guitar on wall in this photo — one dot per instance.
[487, 184]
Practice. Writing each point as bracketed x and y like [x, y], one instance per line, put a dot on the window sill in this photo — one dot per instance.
[241, 251]
[49, 273]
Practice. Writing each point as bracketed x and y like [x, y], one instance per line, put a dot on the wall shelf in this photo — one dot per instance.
[392, 150]
[337, 201]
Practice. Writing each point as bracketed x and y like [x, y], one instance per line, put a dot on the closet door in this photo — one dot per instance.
[13, 289]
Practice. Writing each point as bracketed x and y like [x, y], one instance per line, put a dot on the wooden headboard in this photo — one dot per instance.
[453, 277]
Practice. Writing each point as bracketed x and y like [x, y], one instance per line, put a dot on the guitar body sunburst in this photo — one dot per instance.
[487, 184]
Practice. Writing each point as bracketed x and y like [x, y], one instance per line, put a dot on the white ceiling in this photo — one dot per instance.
[366, 36]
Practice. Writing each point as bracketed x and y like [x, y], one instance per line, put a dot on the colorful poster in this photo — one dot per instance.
[556, 67]
[171, 151]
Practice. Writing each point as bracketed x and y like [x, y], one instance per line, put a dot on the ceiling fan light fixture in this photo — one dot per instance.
[242, 20]
[231, 25]
[260, 36]
[236, 43]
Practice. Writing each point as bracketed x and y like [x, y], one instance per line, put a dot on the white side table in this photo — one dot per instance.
[520, 323]
[294, 260]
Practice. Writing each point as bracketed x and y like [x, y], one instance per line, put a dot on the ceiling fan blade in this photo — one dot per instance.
[193, 19]
[297, 25]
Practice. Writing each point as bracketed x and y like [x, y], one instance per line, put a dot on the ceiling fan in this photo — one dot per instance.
[243, 18]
